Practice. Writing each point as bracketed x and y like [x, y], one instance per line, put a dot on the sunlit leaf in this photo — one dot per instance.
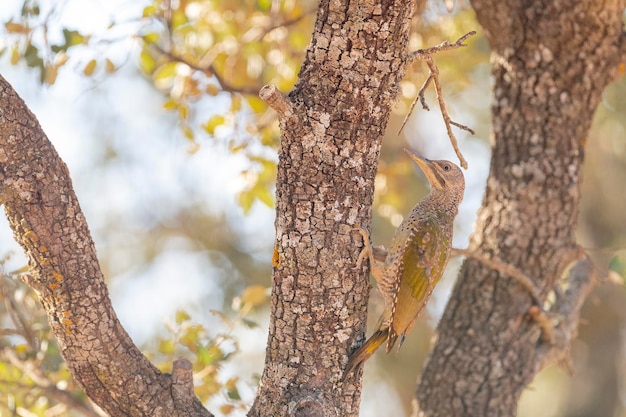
[149, 10]
[166, 347]
[15, 55]
[212, 89]
[250, 324]
[264, 4]
[31, 55]
[109, 66]
[51, 74]
[245, 200]
[256, 104]
[90, 68]
[213, 123]
[146, 62]
[13, 27]
[170, 104]
[164, 73]
[60, 59]
[254, 295]
[151, 37]
[188, 132]
[227, 409]
[231, 389]
[182, 316]
[178, 19]
[74, 37]
[208, 355]
[264, 195]
[235, 104]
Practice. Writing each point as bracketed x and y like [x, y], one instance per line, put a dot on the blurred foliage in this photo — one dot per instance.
[193, 50]
[35, 381]
[197, 53]
[208, 351]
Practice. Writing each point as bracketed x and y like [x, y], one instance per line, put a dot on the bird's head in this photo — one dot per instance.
[443, 176]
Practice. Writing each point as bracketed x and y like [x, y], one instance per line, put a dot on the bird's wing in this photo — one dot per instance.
[424, 258]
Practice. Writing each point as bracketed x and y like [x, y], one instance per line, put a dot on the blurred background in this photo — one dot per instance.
[152, 105]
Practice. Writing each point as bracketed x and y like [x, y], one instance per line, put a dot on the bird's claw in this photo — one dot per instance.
[367, 251]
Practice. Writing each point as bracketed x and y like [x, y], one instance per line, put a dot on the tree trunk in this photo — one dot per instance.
[551, 62]
[332, 125]
[37, 194]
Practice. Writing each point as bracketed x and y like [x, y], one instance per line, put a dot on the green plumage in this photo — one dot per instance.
[417, 258]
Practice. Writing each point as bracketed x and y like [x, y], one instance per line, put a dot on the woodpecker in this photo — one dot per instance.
[408, 272]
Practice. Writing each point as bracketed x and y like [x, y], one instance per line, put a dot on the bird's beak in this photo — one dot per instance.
[428, 168]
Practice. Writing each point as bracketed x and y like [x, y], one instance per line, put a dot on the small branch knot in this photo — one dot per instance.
[277, 101]
[182, 381]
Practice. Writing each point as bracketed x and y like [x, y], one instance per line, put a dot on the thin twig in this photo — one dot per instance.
[506, 269]
[545, 323]
[433, 75]
[208, 70]
[421, 96]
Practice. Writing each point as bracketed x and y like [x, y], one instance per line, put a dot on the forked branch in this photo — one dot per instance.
[433, 76]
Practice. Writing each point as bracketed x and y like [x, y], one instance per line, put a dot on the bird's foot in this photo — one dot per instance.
[367, 252]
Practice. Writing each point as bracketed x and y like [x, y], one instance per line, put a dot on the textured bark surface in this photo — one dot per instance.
[37, 194]
[551, 62]
[332, 125]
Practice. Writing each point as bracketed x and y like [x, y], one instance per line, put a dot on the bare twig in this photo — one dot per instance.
[208, 70]
[506, 269]
[544, 322]
[433, 75]
[35, 374]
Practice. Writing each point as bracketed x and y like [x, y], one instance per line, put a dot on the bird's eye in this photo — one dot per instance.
[447, 167]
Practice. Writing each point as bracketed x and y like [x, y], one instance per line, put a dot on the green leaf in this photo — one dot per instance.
[146, 62]
[250, 324]
[149, 10]
[181, 317]
[213, 123]
[165, 72]
[208, 355]
[166, 347]
[151, 37]
[31, 55]
[245, 199]
[618, 265]
[264, 195]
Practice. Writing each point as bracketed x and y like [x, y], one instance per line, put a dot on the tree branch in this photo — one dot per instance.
[47, 221]
[505, 269]
[566, 310]
[277, 101]
[433, 75]
[208, 70]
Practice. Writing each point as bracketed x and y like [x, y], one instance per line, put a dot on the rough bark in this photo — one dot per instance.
[331, 124]
[37, 194]
[551, 62]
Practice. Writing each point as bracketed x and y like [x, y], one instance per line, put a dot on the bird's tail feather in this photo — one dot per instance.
[367, 350]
